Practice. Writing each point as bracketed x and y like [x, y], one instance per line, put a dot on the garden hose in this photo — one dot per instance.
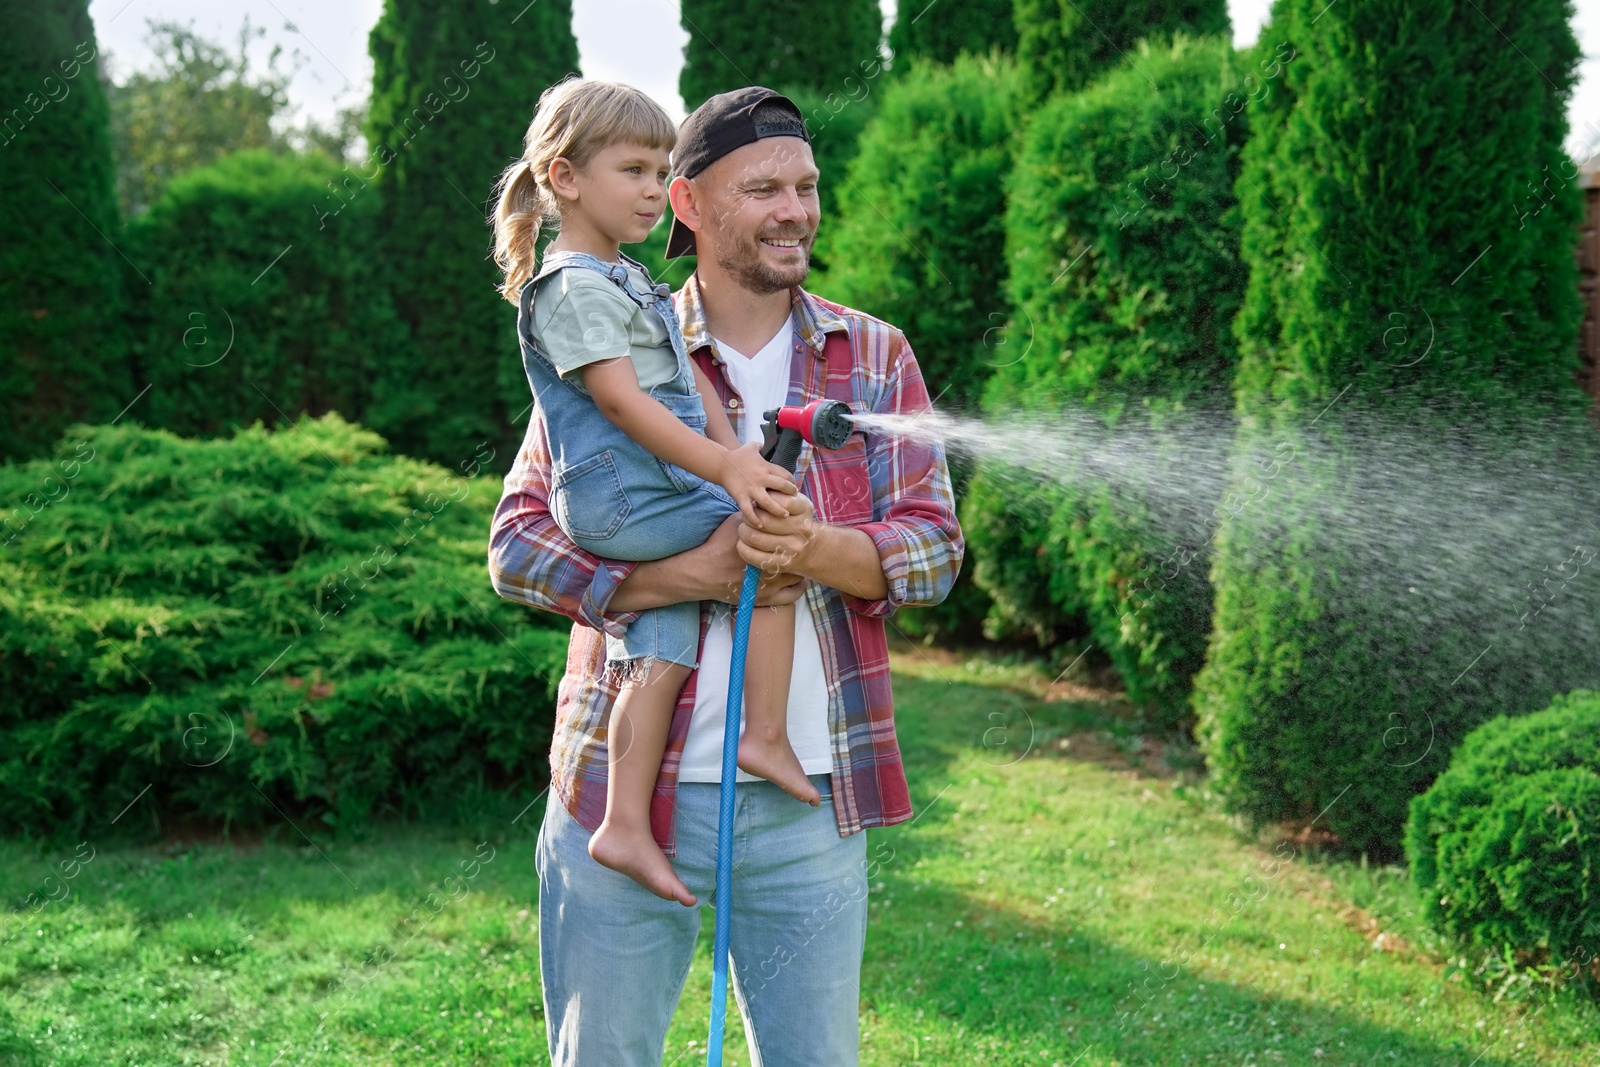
[826, 424]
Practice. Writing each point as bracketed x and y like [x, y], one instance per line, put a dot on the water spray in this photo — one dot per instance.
[825, 424]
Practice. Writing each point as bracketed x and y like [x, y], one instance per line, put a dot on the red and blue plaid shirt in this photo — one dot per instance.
[896, 490]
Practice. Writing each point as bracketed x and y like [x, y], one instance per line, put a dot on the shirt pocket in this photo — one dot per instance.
[842, 486]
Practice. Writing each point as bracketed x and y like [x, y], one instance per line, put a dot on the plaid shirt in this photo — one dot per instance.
[897, 491]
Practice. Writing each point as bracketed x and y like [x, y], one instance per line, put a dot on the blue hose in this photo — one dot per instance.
[730, 758]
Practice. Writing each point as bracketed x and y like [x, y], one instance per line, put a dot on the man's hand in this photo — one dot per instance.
[842, 557]
[709, 571]
[782, 545]
[719, 561]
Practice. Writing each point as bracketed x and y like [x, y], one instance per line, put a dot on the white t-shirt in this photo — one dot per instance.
[762, 383]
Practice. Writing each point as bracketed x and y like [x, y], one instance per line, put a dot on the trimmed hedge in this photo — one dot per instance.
[1371, 185]
[256, 310]
[1505, 845]
[1063, 45]
[63, 357]
[1124, 272]
[288, 619]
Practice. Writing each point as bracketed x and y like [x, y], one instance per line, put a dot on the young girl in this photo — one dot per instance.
[642, 468]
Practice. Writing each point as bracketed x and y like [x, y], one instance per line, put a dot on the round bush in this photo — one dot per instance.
[1505, 846]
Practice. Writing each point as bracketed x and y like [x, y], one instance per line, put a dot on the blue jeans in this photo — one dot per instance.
[614, 956]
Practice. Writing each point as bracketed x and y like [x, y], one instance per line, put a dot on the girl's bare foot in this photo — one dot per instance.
[776, 762]
[636, 854]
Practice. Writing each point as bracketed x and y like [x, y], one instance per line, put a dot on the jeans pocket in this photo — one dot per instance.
[588, 499]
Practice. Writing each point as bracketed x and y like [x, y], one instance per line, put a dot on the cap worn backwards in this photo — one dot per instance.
[723, 123]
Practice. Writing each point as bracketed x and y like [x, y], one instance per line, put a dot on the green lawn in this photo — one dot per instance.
[1068, 894]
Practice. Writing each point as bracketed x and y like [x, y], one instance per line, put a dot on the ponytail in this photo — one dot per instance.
[522, 210]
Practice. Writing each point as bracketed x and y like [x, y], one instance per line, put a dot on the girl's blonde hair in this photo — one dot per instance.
[575, 119]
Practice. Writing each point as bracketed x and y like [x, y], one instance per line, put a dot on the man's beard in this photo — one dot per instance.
[742, 260]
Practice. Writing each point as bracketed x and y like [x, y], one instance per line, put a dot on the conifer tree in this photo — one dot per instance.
[62, 359]
[940, 32]
[1124, 275]
[803, 44]
[1408, 225]
[1063, 45]
[454, 87]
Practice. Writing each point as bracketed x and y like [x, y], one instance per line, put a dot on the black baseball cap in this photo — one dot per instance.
[715, 128]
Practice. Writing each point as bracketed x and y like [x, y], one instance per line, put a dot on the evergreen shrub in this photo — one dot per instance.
[283, 622]
[815, 44]
[454, 87]
[266, 297]
[1350, 649]
[1124, 273]
[63, 357]
[1063, 45]
[1504, 847]
[919, 242]
[922, 30]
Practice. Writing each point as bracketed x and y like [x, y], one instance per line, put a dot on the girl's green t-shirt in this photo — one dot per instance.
[581, 317]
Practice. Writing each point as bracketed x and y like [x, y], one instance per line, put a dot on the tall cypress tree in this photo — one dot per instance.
[1408, 224]
[61, 355]
[454, 87]
[923, 31]
[1063, 45]
[1125, 275]
[809, 44]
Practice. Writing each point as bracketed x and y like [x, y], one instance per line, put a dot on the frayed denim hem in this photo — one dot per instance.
[626, 673]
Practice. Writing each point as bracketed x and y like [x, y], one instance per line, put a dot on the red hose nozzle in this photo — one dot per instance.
[825, 423]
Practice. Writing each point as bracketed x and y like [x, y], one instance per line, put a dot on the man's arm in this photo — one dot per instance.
[843, 557]
[711, 571]
[911, 551]
[533, 561]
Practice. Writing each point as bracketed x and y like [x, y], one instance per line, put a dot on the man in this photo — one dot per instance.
[872, 530]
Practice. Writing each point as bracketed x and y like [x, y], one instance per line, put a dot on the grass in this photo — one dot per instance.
[1068, 894]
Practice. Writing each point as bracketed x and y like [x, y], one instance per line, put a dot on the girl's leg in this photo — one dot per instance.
[764, 746]
[635, 741]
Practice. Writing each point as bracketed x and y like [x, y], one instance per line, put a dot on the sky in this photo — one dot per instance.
[635, 41]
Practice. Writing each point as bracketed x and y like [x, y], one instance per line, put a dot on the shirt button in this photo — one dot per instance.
[733, 402]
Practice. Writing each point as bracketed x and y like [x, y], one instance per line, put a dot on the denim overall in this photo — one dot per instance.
[609, 493]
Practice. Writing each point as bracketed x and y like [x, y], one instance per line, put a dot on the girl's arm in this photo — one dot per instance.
[614, 386]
